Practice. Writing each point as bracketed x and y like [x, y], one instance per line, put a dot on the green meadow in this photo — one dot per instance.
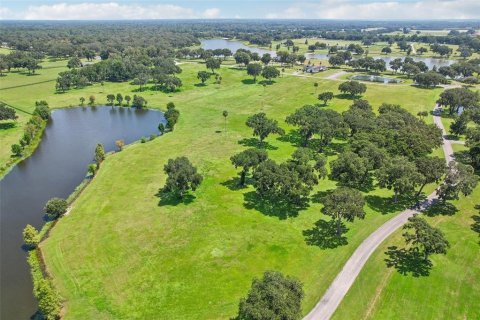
[121, 253]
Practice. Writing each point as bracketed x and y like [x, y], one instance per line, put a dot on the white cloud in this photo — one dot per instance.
[381, 10]
[113, 10]
[5, 13]
[211, 13]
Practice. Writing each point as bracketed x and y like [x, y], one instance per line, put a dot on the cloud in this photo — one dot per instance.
[211, 13]
[382, 10]
[5, 13]
[114, 11]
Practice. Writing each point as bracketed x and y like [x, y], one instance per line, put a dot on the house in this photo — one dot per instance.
[311, 68]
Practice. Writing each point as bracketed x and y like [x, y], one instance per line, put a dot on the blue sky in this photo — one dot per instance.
[245, 9]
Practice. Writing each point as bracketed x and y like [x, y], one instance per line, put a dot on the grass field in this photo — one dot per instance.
[120, 254]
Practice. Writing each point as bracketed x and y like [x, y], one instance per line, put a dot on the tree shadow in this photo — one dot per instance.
[255, 143]
[170, 199]
[234, 184]
[324, 235]
[200, 85]
[408, 261]
[334, 148]
[276, 207]
[267, 82]
[320, 196]
[463, 157]
[7, 125]
[293, 137]
[476, 224]
[346, 96]
[248, 81]
[386, 205]
[441, 208]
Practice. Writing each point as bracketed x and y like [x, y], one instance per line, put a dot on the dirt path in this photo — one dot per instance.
[344, 280]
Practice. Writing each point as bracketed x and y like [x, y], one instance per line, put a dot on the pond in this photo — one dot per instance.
[235, 45]
[380, 79]
[57, 166]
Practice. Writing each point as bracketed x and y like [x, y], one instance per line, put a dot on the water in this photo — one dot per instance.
[54, 170]
[380, 79]
[235, 45]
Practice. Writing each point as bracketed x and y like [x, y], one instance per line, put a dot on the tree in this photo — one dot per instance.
[56, 207]
[74, 63]
[17, 150]
[48, 300]
[110, 98]
[410, 69]
[344, 204]
[203, 76]
[242, 58]
[422, 50]
[352, 87]
[400, 175]
[225, 115]
[360, 117]
[7, 113]
[350, 169]
[119, 99]
[386, 50]
[336, 60]
[99, 154]
[92, 169]
[213, 63]
[42, 110]
[431, 168]
[91, 100]
[422, 114]
[274, 297]
[325, 97]
[161, 128]
[254, 70]
[266, 58]
[128, 98]
[458, 97]
[181, 177]
[396, 64]
[424, 238]
[460, 178]
[248, 159]
[315, 85]
[171, 116]
[262, 126]
[312, 120]
[120, 144]
[139, 102]
[270, 72]
[141, 80]
[30, 236]
[429, 79]
[82, 101]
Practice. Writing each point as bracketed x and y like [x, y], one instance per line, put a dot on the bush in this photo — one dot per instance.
[55, 207]
[30, 236]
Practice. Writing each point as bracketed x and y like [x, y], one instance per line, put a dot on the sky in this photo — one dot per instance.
[239, 9]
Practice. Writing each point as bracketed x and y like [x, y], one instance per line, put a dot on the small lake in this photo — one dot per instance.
[362, 77]
[235, 45]
[57, 166]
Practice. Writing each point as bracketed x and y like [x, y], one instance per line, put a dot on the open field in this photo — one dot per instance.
[451, 291]
[120, 254]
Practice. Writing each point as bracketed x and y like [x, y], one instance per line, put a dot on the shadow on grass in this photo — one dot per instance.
[248, 81]
[267, 82]
[408, 262]
[255, 143]
[440, 208]
[7, 125]
[324, 235]
[273, 207]
[170, 199]
[234, 184]
[476, 224]
[452, 137]
[386, 205]
[319, 197]
[346, 96]
[200, 85]
[293, 137]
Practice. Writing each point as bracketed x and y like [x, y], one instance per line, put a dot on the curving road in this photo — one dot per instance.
[344, 280]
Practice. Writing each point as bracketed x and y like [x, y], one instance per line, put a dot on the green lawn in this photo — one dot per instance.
[119, 254]
[451, 291]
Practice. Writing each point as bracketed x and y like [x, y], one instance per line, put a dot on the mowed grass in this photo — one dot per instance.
[119, 254]
[451, 291]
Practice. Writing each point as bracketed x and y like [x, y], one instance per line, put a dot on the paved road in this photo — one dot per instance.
[344, 280]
